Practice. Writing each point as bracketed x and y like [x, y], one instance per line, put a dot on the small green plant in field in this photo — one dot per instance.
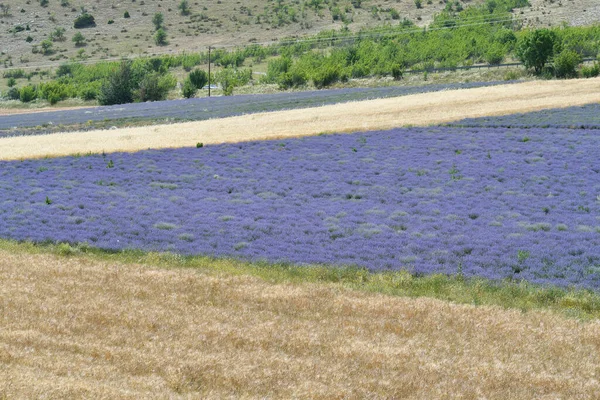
[110, 164]
[160, 37]
[418, 3]
[11, 82]
[522, 255]
[78, 39]
[525, 139]
[199, 145]
[48, 201]
[184, 7]
[157, 21]
[126, 14]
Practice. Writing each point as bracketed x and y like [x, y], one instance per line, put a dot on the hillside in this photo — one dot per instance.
[25, 25]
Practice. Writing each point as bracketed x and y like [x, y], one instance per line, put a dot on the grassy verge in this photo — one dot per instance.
[571, 302]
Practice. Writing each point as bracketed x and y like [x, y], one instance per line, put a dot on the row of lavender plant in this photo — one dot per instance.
[494, 203]
[577, 117]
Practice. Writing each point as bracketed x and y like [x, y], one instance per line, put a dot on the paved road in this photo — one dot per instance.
[218, 107]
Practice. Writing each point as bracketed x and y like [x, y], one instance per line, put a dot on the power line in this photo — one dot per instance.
[360, 35]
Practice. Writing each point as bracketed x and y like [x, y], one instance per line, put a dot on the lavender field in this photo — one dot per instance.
[578, 117]
[496, 203]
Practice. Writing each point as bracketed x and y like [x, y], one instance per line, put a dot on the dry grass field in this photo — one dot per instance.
[420, 109]
[75, 327]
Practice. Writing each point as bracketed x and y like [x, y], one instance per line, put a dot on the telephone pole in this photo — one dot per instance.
[208, 71]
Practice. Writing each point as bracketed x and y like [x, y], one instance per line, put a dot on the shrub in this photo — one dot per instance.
[58, 35]
[418, 3]
[158, 20]
[495, 54]
[126, 14]
[160, 37]
[111, 21]
[13, 93]
[326, 76]
[84, 20]
[88, 93]
[46, 46]
[189, 89]
[44, 3]
[198, 78]
[566, 63]
[154, 87]
[535, 49]
[397, 72]
[184, 7]
[78, 39]
[590, 72]
[117, 89]
[11, 82]
[27, 94]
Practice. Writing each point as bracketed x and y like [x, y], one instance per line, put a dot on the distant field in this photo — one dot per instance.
[79, 327]
[419, 109]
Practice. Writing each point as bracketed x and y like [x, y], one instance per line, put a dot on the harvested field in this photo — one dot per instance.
[83, 328]
[421, 109]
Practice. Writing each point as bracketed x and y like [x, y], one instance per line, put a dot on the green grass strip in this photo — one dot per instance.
[571, 302]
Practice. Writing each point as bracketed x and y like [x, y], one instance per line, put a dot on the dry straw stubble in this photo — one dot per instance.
[82, 328]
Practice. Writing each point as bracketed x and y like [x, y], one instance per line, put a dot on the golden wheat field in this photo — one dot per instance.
[420, 109]
[81, 328]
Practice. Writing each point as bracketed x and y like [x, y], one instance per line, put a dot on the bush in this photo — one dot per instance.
[397, 72]
[158, 20]
[184, 7]
[154, 87]
[536, 48]
[326, 76]
[117, 89]
[198, 78]
[189, 89]
[78, 39]
[88, 93]
[160, 37]
[292, 79]
[590, 72]
[85, 20]
[126, 14]
[11, 82]
[13, 93]
[495, 54]
[27, 94]
[566, 63]
[46, 46]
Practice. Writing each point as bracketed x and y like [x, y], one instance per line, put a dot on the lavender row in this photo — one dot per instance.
[577, 117]
[494, 203]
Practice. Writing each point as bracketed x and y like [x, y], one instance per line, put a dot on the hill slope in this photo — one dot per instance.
[24, 25]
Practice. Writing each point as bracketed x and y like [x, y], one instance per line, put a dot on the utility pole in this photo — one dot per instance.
[208, 71]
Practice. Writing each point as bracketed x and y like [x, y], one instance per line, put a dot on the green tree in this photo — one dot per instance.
[566, 63]
[184, 7]
[189, 89]
[536, 48]
[58, 35]
[198, 78]
[154, 87]
[118, 88]
[46, 46]
[78, 39]
[160, 37]
[158, 20]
